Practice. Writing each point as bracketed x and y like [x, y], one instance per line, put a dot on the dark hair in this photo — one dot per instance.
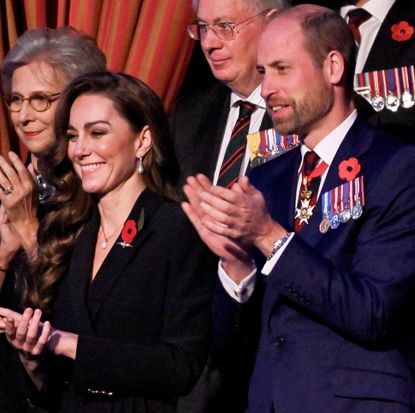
[324, 30]
[140, 106]
[65, 49]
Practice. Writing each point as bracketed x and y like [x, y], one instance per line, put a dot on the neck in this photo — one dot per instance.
[115, 206]
[328, 124]
[243, 91]
[34, 160]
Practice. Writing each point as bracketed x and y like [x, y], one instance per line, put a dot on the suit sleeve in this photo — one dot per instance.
[362, 283]
[172, 366]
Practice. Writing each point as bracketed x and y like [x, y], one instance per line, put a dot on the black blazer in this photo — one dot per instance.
[198, 123]
[143, 322]
[387, 53]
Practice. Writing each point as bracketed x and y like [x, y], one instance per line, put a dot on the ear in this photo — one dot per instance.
[143, 142]
[334, 67]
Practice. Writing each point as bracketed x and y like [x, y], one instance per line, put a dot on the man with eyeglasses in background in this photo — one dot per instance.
[203, 122]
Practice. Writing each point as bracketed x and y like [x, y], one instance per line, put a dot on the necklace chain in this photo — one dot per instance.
[104, 244]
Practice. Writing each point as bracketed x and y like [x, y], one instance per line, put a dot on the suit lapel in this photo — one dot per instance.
[356, 142]
[118, 258]
[79, 274]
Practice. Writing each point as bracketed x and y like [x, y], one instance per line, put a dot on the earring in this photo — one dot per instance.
[140, 167]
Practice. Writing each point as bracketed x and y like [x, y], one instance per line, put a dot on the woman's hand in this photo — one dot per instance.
[17, 194]
[30, 337]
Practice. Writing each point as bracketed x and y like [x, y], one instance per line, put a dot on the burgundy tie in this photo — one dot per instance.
[310, 162]
[235, 152]
[356, 18]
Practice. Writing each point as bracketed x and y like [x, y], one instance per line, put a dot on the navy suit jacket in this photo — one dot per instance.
[198, 123]
[336, 329]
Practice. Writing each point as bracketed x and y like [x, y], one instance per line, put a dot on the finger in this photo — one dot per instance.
[6, 312]
[193, 216]
[193, 199]
[43, 339]
[10, 329]
[33, 330]
[6, 171]
[194, 184]
[215, 200]
[25, 178]
[204, 181]
[23, 326]
[221, 218]
[246, 186]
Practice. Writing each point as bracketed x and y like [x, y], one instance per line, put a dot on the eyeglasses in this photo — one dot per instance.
[223, 30]
[40, 102]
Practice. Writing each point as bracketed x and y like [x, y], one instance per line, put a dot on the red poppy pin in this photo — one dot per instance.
[402, 31]
[348, 170]
[130, 230]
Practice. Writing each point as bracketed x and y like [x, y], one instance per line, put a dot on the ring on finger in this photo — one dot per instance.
[8, 190]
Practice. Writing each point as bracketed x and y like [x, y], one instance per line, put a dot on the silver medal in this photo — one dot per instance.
[407, 100]
[357, 211]
[378, 103]
[345, 215]
[392, 103]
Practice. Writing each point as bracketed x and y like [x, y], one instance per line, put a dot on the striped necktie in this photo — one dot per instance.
[235, 152]
[356, 18]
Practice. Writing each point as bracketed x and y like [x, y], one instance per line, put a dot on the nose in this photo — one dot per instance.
[269, 86]
[210, 41]
[26, 113]
[81, 147]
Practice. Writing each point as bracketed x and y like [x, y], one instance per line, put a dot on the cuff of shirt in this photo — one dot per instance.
[270, 264]
[240, 292]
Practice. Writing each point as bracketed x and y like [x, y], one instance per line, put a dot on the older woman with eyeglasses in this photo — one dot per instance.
[34, 72]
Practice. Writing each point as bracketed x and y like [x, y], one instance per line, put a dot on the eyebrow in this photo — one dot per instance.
[90, 124]
[216, 20]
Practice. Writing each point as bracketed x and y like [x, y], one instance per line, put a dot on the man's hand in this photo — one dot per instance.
[240, 214]
[237, 261]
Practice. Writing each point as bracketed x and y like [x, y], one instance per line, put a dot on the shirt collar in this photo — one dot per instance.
[326, 149]
[377, 8]
[254, 97]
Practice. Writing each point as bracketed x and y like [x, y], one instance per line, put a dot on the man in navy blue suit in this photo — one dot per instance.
[317, 246]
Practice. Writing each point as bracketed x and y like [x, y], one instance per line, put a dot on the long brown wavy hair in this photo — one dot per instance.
[71, 207]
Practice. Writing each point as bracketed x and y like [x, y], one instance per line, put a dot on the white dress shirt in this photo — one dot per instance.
[326, 149]
[378, 10]
[256, 120]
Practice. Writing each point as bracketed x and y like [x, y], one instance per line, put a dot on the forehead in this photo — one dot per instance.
[281, 39]
[92, 108]
[231, 10]
[37, 76]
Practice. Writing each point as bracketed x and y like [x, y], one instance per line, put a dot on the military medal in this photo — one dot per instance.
[325, 222]
[268, 144]
[306, 210]
[407, 99]
[378, 102]
[345, 213]
[335, 219]
[358, 198]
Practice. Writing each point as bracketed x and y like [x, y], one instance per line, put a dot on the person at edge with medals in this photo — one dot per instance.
[121, 271]
[34, 73]
[317, 245]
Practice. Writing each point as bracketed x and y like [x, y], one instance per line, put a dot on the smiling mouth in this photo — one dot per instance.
[91, 167]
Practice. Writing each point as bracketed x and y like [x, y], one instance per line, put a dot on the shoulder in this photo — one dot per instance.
[213, 93]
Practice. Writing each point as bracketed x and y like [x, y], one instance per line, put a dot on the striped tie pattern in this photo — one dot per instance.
[235, 152]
